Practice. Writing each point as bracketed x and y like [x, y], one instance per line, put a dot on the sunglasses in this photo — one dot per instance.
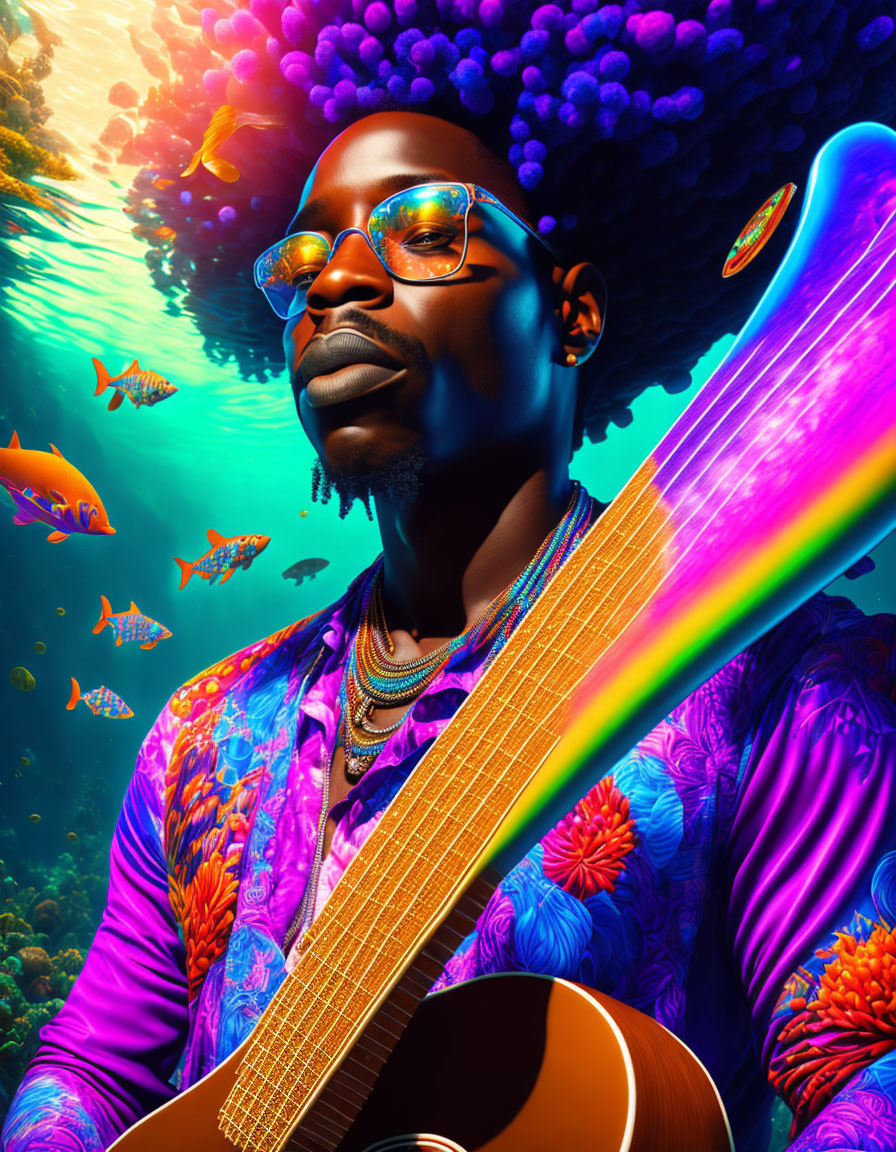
[417, 234]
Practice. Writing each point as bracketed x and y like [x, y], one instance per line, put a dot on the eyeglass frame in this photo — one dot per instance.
[475, 195]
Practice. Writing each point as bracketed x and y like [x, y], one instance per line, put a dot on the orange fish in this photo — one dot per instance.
[224, 122]
[161, 182]
[130, 625]
[140, 385]
[164, 233]
[101, 702]
[225, 555]
[44, 486]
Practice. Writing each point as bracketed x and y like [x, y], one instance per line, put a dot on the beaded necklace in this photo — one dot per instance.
[372, 679]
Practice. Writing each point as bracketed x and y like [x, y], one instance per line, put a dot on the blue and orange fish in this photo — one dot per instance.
[226, 554]
[142, 386]
[44, 486]
[131, 625]
[101, 702]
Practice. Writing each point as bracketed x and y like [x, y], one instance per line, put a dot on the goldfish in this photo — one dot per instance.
[303, 568]
[161, 182]
[130, 625]
[101, 702]
[44, 486]
[224, 122]
[164, 233]
[140, 385]
[226, 554]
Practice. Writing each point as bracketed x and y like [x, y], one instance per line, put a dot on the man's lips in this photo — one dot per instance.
[348, 383]
[343, 348]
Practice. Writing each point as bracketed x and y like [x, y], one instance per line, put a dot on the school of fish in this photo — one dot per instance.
[47, 488]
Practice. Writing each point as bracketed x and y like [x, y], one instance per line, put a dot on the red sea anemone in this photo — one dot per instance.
[849, 1024]
[585, 853]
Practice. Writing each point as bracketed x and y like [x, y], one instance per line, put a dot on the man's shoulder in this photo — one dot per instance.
[250, 666]
[830, 639]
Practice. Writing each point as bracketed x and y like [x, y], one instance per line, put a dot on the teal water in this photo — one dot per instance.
[223, 453]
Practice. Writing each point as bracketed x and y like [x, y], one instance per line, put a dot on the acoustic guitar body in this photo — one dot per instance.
[509, 1063]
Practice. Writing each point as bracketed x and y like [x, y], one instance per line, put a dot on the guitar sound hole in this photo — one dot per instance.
[415, 1142]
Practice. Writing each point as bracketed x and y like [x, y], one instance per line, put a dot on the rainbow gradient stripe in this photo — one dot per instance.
[778, 477]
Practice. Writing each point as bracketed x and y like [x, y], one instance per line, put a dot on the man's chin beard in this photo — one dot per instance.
[397, 480]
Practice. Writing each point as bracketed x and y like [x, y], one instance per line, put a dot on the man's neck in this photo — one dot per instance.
[462, 540]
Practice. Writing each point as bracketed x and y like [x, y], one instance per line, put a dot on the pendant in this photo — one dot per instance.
[356, 766]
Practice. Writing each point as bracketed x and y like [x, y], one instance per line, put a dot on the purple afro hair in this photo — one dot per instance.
[644, 138]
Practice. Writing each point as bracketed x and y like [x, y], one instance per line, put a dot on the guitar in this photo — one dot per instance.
[779, 475]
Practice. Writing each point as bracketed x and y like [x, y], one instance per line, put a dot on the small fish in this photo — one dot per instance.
[303, 568]
[73, 836]
[130, 625]
[44, 486]
[304, 513]
[101, 702]
[39, 647]
[224, 122]
[226, 554]
[161, 182]
[60, 611]
[140, 385]
[24, 761]
[164, 233]
[35, 818]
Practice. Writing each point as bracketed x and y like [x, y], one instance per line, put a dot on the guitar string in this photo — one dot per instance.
[803, 355]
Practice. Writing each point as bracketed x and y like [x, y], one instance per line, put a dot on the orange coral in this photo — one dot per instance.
[849, 1024]
[205, 908]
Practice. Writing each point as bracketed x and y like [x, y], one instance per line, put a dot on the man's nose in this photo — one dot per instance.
[353, 274]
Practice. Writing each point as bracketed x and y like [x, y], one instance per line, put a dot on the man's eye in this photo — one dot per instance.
[304, 278]
[430, 238]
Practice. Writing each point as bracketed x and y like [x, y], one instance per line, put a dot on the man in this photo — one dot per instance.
[748, 905]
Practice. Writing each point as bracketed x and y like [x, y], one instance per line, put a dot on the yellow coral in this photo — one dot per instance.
[19, 159]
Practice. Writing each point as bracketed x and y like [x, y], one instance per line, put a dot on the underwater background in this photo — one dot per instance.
[224, 453]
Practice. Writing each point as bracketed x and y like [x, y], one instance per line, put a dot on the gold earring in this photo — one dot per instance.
[571, 359]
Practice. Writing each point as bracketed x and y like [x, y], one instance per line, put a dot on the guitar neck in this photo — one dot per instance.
[776, 478]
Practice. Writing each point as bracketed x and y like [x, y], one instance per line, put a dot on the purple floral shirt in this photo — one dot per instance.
[734, 876]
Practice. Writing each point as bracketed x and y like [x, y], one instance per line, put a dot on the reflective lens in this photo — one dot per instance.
[284, 271]
[418, 234]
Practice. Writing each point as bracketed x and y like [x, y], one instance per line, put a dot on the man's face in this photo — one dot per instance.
[468, 360]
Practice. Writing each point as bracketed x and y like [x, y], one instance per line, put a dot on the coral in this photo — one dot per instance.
[585, 853]
[46, 916]
[29, 963]
[27, 147]
[847, 1024]
[46, 925]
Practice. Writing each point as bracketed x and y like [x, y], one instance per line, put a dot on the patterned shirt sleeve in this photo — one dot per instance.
[105, 1059]
[811, 862]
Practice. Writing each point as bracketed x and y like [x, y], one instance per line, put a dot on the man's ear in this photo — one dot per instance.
[580, 296]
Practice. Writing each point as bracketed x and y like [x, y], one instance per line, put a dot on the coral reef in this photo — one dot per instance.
[46, 925]
[644, 137]
[27, 147]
